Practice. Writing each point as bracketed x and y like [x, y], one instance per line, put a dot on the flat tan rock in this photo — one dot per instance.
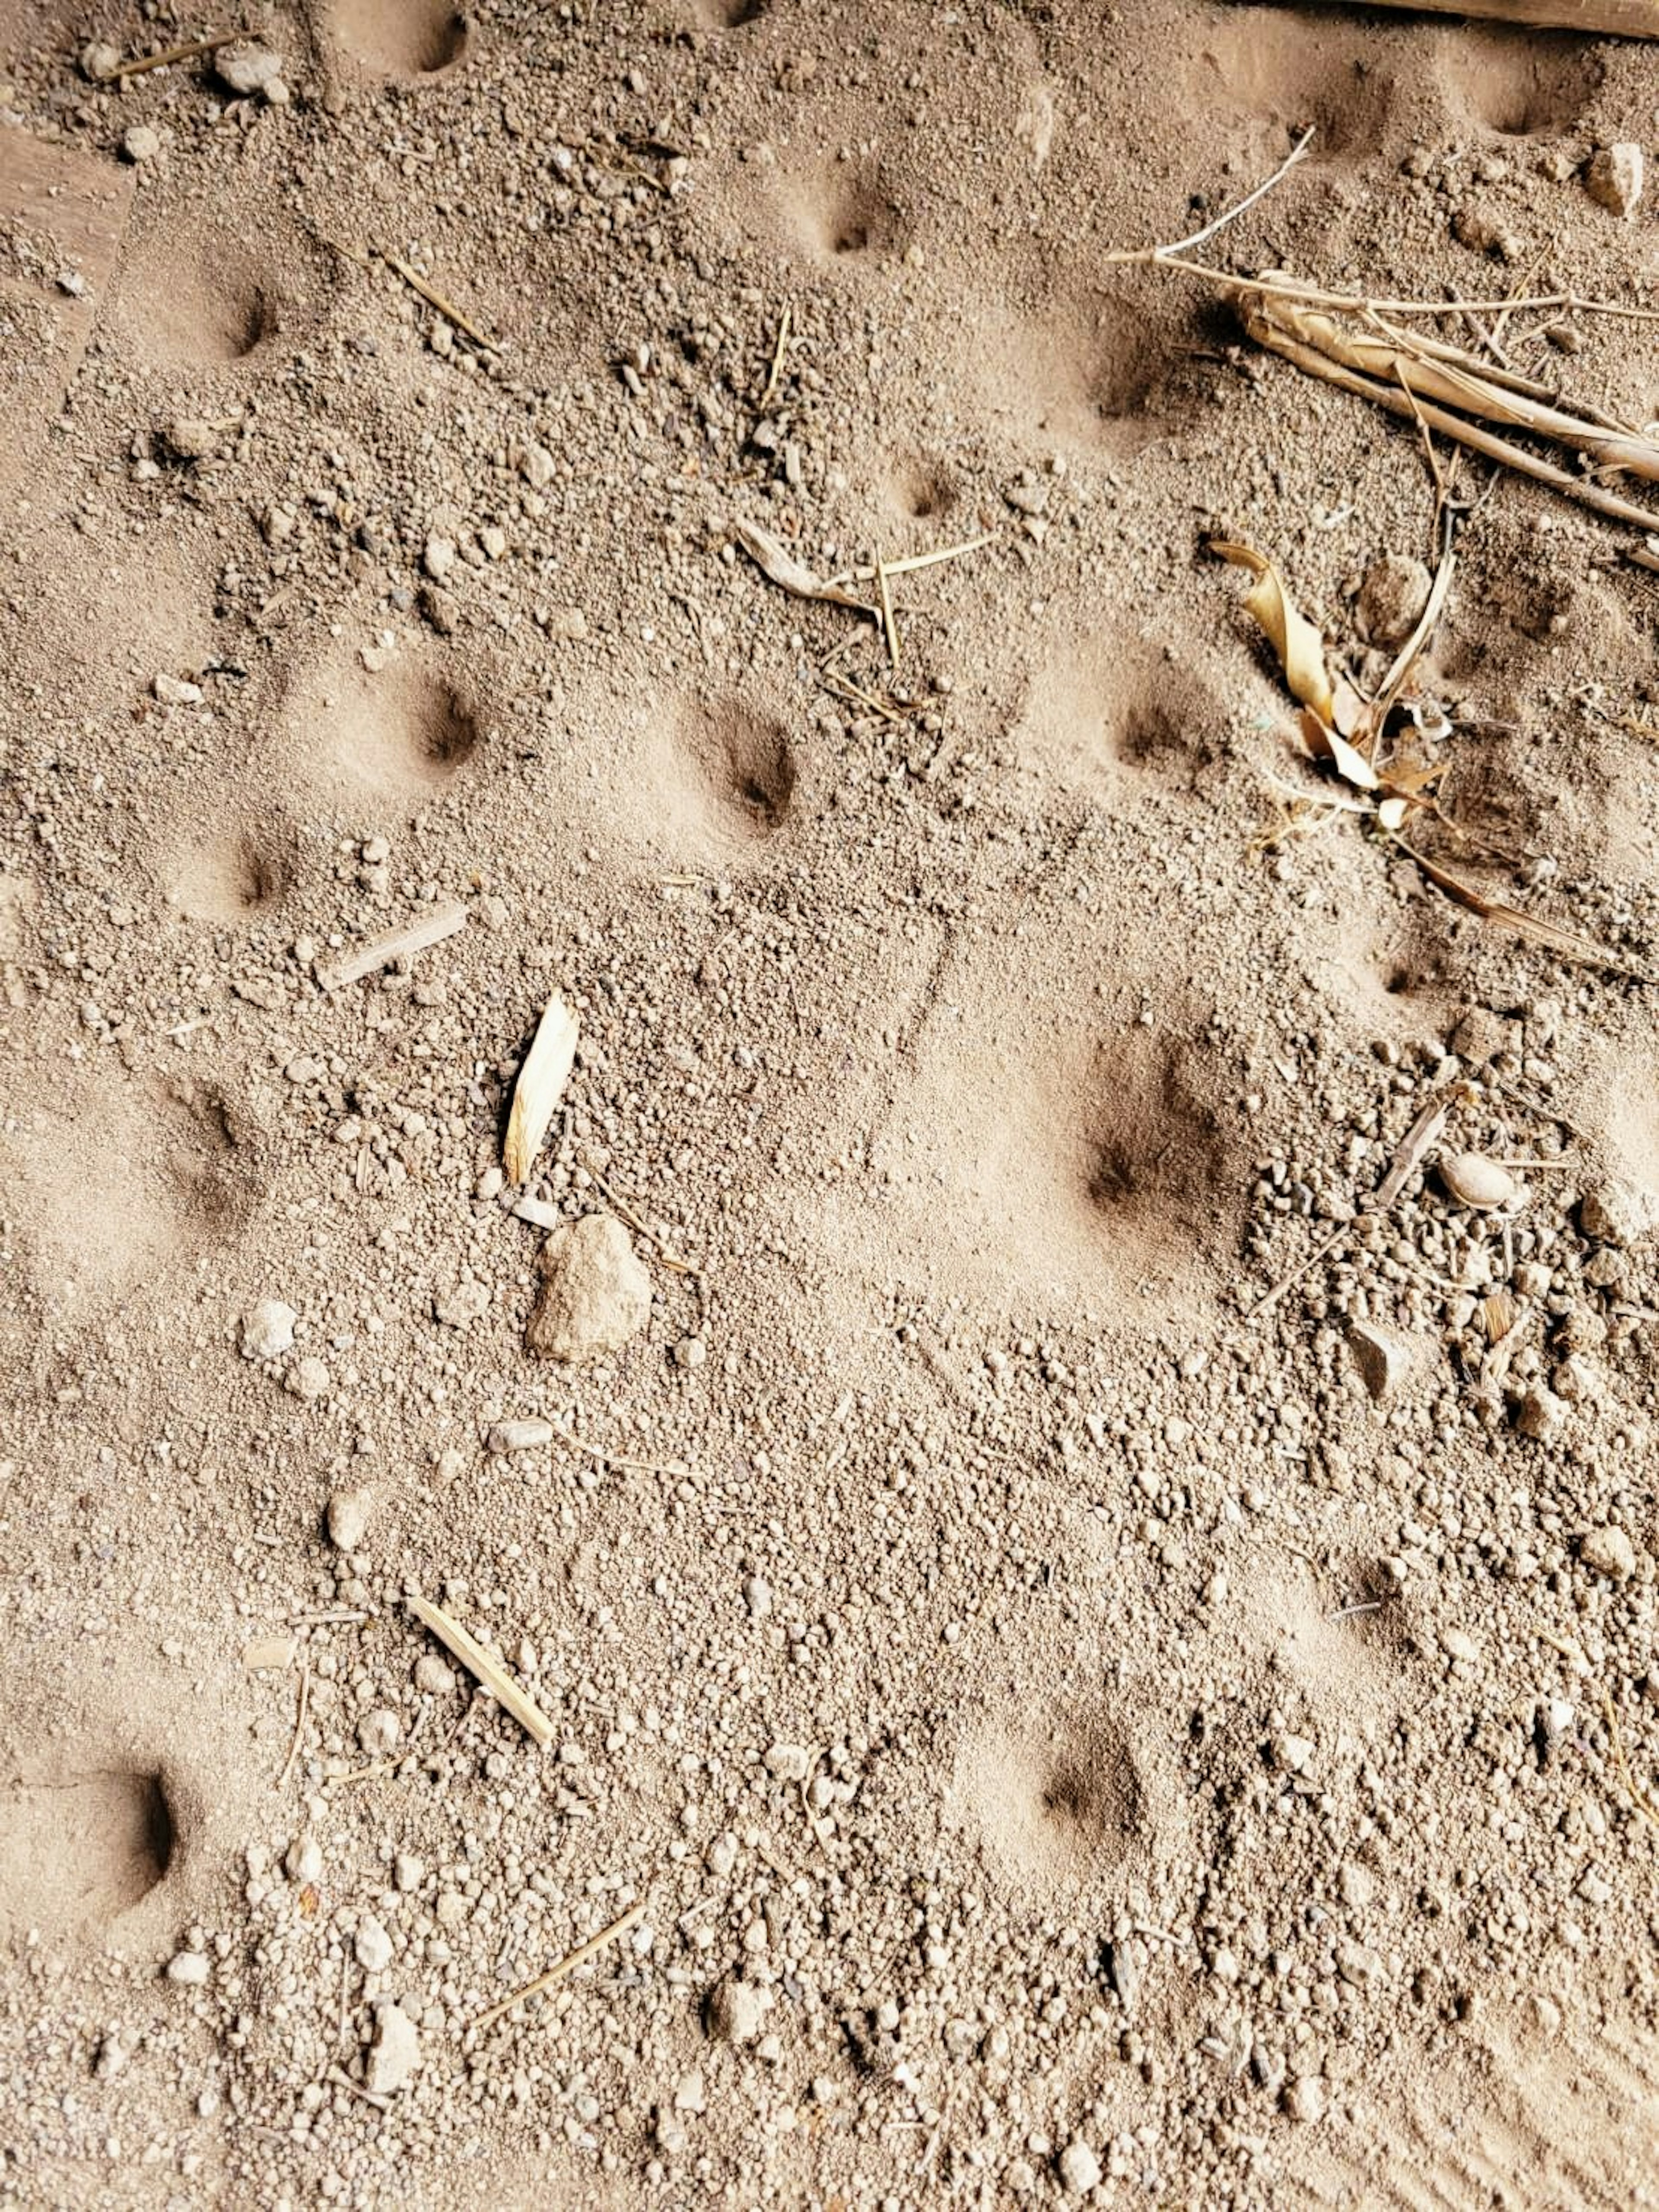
[595, 1295]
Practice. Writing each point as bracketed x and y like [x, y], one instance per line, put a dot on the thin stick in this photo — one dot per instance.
[614, 1459]
[1638, 1797]
[341, 2080]
[889, 628]
[1309, 358]
[494, 1676]
[568, 1965]
[1356, 303]
[913, 561]
[435, 299]
[1202, 237]
[777, 361]
[675, 1265]
[432, 928]
[299, 1721]
[184, 53]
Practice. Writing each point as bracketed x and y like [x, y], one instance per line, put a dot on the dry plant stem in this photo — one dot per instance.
[676, 1267]
[184, 53]
[1642, 558]
[765, 400]
[490, 1672]
[1566, 943]
[437, 923]
[445, 307]
[889, 627]
[1639, 1796]
[568, 1965]
[1357, 303]
[1233, 213]
[914, 561]
[1425, 348]
[1440, 373]
[1315, 363]
[299, 1723]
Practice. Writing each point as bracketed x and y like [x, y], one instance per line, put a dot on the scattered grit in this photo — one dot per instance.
[1022, 1726]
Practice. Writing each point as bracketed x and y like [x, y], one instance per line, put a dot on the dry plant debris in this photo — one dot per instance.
[539, 1088]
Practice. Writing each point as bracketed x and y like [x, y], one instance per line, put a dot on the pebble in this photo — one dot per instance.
[535, 464]
[1079, 2169]
[439, 558]
[190, 1967]
[349, 1512]
[308, 1380]
[379, 1731]
[1615, 177]
[595, 1293]
[99, 59]
[1392, 596]
[303, 1860]
[757, 1596]
[736, 2010]
[141, 144]
[1608, 1551]
[789, 1762]
[1611, 1214]
[1306, 2100]
[372, 1946]
[690, 1352]
[460, 1307]
[175, 691]
[1539, 1413]
[1472, 1180]
[518, 1436]
[395, 2053]
[1382, 1356]
[434, 1677]
[268, 1330]
[246, 68]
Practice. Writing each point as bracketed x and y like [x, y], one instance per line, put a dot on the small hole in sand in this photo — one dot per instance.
[401, 38]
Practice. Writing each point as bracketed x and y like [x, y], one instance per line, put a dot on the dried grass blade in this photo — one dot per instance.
[490, 1672]
[1395, 681]
[539, 1088]
[568, 1965]
[779, 565]
[1566, 942]
[1300, 649]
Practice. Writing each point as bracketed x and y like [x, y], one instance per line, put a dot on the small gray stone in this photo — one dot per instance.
[395, 2054]
[246, 68]
[1383, 1357]
[439, 558]
[460, 1307]
[349, 1515]
[303, 1861]
[1608, 1551]
[190, 1967]
[595, 1294]
[736, 2010]
[268, 1330]
[1306, 2100]
[434, 1677]
[1612, 1213]
[1614, 177]
[99, 59]
[141, 144]
[176, 691]
[1539, 1413]
[1392, 596]
[1079, 2169]
[508, 1436]
[535, 464]
[308, 1379]
[757, 1596]
[372, 1946]
[381, 1731]
[789, 1762]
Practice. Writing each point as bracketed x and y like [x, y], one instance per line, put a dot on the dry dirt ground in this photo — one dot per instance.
[1049, 1733]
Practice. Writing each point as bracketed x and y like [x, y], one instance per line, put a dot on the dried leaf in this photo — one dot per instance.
[1497, 1315]
[1565, 942]
[775, 561]
[1418, 1141]
[540, 1086]
[1292, 636]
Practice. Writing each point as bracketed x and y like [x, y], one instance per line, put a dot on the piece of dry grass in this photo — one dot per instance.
[488, 1670]
[399, 943]
[539, 1088]
[187, 52]
[434, 298]
[1568, 943]
[556, 1974]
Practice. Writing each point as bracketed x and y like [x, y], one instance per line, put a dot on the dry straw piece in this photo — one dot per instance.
[397, 945]
[494, 1676]
[568, 1965]
[539, 1088]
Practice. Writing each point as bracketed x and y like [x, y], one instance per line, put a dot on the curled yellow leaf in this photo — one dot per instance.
[1292, 636]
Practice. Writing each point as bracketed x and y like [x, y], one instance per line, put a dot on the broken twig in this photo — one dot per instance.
[490, 1672]
[568, 1965]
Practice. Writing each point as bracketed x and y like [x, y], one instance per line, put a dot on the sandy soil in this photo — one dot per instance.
[1049, 1732]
